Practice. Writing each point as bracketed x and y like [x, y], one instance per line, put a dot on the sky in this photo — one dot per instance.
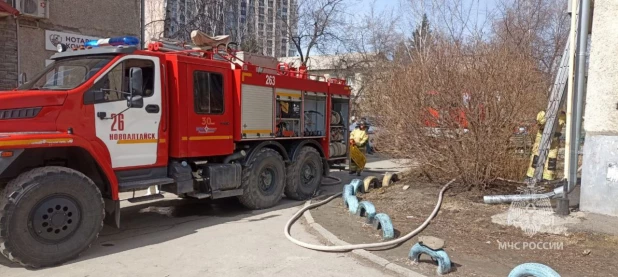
[360, 7]
[364, 6]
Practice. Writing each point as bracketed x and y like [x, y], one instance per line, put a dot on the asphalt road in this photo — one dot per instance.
[183, 237]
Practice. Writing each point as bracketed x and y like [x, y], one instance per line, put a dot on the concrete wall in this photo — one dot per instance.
[89, 18]
[8, 53]
[599, 191]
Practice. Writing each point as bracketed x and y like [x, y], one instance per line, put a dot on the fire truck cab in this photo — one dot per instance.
[112, 118]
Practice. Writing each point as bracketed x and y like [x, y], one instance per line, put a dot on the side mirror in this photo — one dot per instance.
[136, 101]
[135, 81]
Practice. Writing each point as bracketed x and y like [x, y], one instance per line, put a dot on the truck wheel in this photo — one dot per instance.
[263, 180]
[304, 175]
[48, 216]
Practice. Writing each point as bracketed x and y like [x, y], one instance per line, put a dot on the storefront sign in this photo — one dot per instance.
[52, 38]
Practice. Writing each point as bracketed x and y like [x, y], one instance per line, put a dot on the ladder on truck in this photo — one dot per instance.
[176, 46]
[556, 100]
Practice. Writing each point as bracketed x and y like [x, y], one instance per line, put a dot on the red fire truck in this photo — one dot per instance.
[111, 118]
[455, 115]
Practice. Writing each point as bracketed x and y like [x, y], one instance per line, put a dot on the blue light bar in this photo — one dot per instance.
[115, 41]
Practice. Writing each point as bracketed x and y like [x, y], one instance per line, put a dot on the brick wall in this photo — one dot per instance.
[8, 54]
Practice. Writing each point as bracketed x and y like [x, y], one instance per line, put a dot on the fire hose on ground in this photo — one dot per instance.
[526, 269]
[366, 246]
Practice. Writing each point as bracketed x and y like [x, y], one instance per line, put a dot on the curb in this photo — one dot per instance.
[358, 252]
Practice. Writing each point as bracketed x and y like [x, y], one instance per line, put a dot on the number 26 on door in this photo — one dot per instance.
[117, 122]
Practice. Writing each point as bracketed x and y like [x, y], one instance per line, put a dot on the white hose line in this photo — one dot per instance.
[336, 182]
[367, 246]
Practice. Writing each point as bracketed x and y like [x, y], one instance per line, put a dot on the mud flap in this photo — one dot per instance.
[112, 212]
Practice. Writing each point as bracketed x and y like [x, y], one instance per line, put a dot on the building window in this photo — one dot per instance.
[208, 92]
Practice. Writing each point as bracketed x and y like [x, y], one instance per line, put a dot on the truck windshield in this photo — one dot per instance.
[67, 73]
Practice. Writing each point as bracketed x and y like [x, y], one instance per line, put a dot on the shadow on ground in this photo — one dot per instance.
[151, 223]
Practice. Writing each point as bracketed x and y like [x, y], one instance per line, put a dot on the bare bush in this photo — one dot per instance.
[481, 90]
[455, 88]
[538, 27]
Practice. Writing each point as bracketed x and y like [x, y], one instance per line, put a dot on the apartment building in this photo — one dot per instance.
[269, 22]
[265, 25]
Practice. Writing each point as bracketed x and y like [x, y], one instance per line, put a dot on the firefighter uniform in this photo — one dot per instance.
[358, 137]
[549, 171]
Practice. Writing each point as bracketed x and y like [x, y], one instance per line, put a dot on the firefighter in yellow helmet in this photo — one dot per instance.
[358, 137]
[549, 170]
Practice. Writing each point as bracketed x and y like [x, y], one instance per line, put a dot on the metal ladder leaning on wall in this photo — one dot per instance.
[556, 100]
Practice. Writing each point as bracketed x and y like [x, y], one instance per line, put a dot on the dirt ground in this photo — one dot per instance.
[472, 240]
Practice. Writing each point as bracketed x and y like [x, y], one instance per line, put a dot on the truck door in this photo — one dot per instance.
[132, 136]
[210, 111]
